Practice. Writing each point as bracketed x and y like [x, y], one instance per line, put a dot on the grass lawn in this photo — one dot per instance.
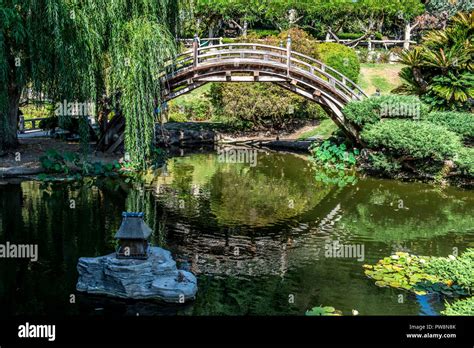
[324, 130]
[382, 76]
[198, 93]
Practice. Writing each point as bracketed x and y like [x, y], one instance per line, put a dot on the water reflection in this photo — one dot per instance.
[253, 234]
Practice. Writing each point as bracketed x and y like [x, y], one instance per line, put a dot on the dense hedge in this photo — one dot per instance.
[354, 36]
[465, 161]
[459, 122]
[418, 140]
[371, 110]
[341, 58]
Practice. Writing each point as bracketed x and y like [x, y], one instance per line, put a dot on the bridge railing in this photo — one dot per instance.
[284, 57]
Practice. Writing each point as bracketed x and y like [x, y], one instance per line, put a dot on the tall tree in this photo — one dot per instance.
[79, 50]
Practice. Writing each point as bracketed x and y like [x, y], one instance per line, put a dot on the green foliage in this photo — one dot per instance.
[459, 122]
[438, 7]
[323, 130]
[323, 311]
[401, 271]
[449, 276]
[383, 163]
[354, 36]
[458, 269]
[465, 161]
[71, 164]
[460, 307]
[418, 140]
[333, 155]
[54, 162]
[364, 55]
[263, 33]
[341, 58]
[451, 91]
[195, 109]
[371, 110]
[260, 106]
[441, 69]
[67, 50]
[334, 164]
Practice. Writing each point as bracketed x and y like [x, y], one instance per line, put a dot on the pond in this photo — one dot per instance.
[256, 230]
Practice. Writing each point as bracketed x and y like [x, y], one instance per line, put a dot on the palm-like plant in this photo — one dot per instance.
[441, 69]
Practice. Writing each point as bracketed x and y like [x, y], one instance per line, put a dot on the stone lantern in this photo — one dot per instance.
[133, 237]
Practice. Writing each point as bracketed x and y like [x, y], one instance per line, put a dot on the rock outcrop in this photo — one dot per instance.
[154, 278]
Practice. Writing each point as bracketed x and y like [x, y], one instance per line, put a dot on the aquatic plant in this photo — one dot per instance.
[73, 165]
[334, 164]
[334, 155]
[420, 274]
[449, 276]
[323, 311]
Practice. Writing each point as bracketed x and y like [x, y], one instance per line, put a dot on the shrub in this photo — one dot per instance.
[460, 307]
[459, 122]
[192, 109]
[301, 41]
[354, 36]
[371, 110]
[341, 58]
[465, 161]
[419, 140]
[384, 163]
[440, 70]
[260, 106]
[263, 33]
[384, 57]
[364, 55]
[458, 269]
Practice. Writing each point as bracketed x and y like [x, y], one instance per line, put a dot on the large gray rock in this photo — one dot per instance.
[154, 278]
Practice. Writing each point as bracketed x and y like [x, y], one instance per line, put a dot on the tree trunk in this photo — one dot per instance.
[407, 38]
[244, 29]
[9, 136]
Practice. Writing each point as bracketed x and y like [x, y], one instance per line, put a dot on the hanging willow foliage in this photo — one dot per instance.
[81, 50]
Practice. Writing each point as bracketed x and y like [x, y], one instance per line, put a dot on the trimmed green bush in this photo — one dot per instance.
[459, 122]
[418, 140]
[341, 58]
[371, 110]
[459, 269]
[465, 160]
[384, 163]
[460, 307]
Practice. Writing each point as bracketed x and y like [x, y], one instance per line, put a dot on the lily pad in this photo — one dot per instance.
[323, 311]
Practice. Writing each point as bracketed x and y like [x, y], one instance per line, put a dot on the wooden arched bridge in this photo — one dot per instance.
[252, 62]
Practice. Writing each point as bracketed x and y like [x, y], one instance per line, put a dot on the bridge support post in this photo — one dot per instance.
[195, 50]
[288, 55]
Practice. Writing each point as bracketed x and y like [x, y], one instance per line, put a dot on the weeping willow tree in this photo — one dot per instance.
[82, 50]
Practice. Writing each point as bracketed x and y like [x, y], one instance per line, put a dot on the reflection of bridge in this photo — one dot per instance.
[250, 62]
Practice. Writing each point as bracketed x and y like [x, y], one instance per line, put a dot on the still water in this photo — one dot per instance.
[257, 235]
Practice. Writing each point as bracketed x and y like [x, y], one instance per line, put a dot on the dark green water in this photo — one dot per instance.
[254, 234]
